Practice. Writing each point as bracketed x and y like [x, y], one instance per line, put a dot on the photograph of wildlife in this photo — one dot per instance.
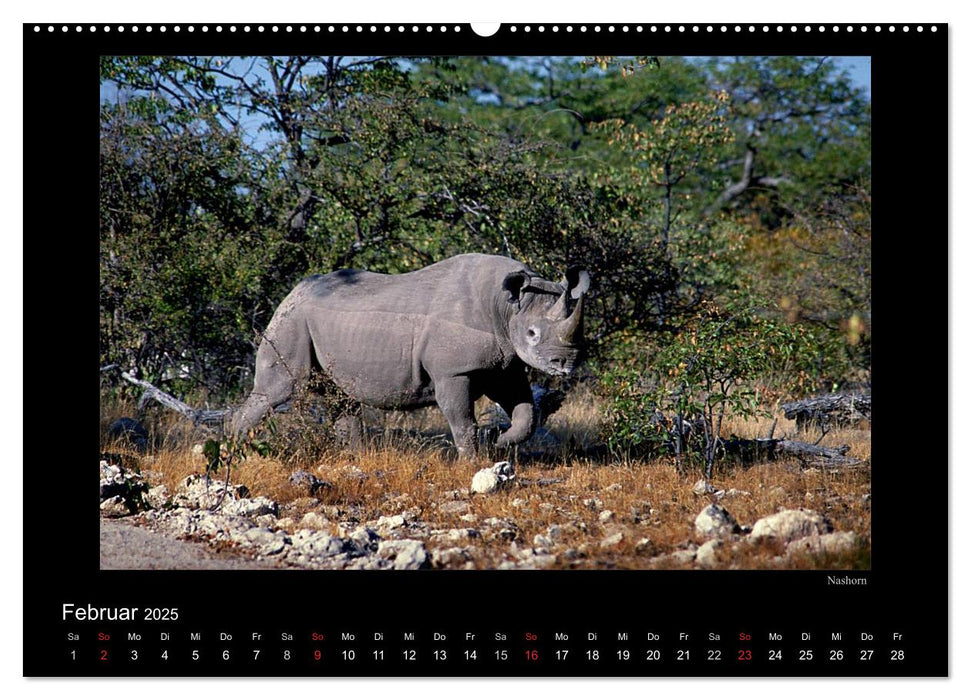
[386, 313]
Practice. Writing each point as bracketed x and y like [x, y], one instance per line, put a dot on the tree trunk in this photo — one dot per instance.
[761, 449]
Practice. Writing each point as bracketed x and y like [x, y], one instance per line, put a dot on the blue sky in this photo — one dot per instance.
[858, 68]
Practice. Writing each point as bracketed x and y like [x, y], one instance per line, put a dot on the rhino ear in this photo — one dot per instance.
[577, 282]
[514, 283]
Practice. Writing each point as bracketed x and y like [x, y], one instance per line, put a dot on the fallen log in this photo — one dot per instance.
[525, 482]
[828, 411]
[767, 449]
[196, 415]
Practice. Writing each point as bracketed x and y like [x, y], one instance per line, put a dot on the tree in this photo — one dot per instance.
[668, 152]
[799, 122]
[817, 271]
[177, 267]
[707, 371]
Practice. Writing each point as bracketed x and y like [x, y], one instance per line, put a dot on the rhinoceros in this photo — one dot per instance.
[446, 334]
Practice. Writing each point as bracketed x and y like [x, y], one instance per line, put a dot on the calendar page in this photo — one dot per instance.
[516, 350]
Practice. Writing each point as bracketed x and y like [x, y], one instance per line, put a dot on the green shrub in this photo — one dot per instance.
[696, 377]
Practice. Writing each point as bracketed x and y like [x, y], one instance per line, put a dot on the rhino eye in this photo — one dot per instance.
[532, 335]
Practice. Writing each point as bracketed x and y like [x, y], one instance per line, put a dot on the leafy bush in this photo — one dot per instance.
[708, 370]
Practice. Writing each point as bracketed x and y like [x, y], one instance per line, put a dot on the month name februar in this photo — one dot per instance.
[91, 613]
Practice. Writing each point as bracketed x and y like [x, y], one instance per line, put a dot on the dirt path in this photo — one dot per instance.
[126, 546]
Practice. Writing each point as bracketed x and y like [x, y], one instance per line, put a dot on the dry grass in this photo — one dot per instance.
[407, 472]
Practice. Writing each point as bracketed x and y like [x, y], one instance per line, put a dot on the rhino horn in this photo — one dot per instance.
[570, 329]
[559, 312]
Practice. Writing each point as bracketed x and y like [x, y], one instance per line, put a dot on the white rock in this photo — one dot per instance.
[831, 543]
[537, 561]
[520, 552]
[249, 507]
[683, 556]
[364, 539]
[265, 520]
[542, 542]
[198, 491]
[158, 496]
[613, 540]
[788, 525]
[390, 522]
[367, 564]
[453, 557]
[314, 521]
[219, 525]
[405, 554]
[265, 541]
[213, 525]
[706, 556]
[316, 545]
[715, 521]
[493, 478]
[128, 486]
[111, 473]
[485, 481]
[606, 516]
[114, 507]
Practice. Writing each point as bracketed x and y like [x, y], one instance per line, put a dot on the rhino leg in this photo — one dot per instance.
[454, 397]
[516, 399]
[280, 363]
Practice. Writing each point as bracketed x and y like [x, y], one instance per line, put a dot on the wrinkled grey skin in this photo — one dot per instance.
[447, 334]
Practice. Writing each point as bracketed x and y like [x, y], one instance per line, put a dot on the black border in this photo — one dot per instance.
[907, 587]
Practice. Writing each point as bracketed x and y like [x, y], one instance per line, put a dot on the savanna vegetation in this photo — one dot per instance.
[721, 206]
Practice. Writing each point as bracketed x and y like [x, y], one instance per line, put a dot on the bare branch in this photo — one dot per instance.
[196, 415]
